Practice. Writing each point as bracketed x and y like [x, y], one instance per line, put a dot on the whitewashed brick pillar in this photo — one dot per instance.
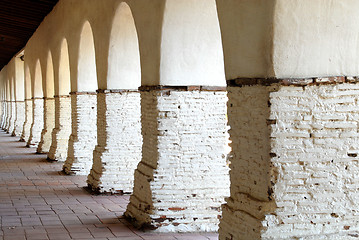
[49, 125]
[294, 159]
[119, 141]
[3, 113]
[37, 123]
[12, 117]
[83, 137]
[20, 118]
[182, 178]
[28, 120]
[8, 116]
[62, 130]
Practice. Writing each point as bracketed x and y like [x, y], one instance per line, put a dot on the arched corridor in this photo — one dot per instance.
[236, 117]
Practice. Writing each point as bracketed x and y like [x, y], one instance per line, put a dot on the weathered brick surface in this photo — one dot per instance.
[83, 136]
[297, 177]
[8, 116]
[3, 114]
[182, 178]
[20, 118]
[12, 118]
[49, 125]
[37, 123]
[119, 142]
[28, 120]
[61, 132]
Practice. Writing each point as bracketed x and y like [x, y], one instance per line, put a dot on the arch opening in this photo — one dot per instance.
[28, 87]
[86, 76]
[38, 92]
[12, 89]
[49, 81]
[124, 68]
[64, 81]
[191, 44]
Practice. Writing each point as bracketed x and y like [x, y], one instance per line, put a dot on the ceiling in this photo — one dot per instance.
[18, 21]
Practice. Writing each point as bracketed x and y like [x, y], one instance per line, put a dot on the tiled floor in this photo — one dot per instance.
[38, 202]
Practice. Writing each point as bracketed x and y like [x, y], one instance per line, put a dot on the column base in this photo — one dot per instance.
[119, 142]
[83, 137]
[28, 121]
[49, 124]
[37, 124]
[294, 159]
[182, 179]
[12, 118]
[62, 130]
[20, 118]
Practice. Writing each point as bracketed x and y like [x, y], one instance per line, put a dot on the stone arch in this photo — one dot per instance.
[86, 75]
[63, 85]
[28, 87]
[49, 81]
[19, 80]
[12, 89]
[124, 68]
[8, 90]
[37, 83]
[191, 45]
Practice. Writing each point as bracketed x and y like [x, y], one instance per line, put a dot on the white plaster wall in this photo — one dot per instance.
[246, 28]
[19, 80]
[62, 130]
[119, 145]
[124, 70]
[183, 173]
[191, 26]
[203, 68]
[316, 38]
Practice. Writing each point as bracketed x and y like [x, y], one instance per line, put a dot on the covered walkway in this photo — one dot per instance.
[38, 201]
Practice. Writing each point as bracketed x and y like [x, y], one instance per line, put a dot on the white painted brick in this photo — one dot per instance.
[20, 118]
[119, 142]
[28, 120]
[83, 136]
[61, 132]
[49, 125]
[315, 186]
[183, 173]
[37, 123]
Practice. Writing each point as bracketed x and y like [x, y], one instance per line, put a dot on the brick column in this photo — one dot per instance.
[182, 178]
[8, 116]
[3, 114]
[37, 123]
[119, 142]
[12, 118]
[294, 159]
[83, 137]
[62, 130]
[20, 118]
[49, 125]
[28, 120]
